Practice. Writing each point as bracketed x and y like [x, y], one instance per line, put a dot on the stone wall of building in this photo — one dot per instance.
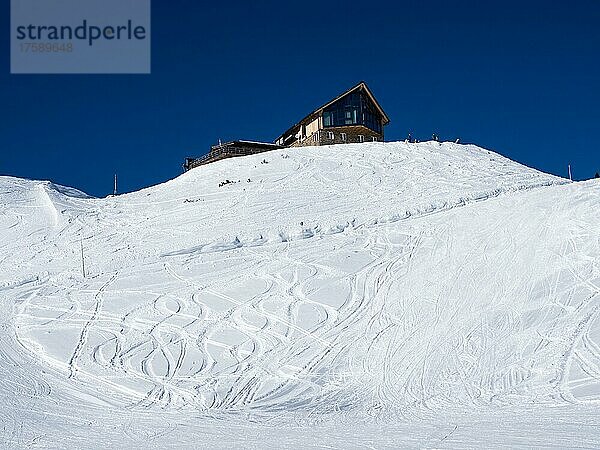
[351, 134]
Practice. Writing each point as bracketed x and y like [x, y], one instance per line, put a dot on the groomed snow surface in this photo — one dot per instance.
[373, 295]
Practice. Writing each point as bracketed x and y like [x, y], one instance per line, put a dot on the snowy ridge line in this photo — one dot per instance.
[67, 191]
[296, 234]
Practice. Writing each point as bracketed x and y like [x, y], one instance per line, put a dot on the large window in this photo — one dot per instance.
[355, 108]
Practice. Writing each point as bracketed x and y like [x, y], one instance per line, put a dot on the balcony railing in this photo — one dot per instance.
[223, 151]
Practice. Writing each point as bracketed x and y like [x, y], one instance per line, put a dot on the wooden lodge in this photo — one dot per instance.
[354, 116]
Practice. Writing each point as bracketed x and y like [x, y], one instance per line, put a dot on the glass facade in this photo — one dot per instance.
[355, 108]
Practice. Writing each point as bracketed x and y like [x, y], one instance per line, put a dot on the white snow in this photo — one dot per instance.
[369, 295]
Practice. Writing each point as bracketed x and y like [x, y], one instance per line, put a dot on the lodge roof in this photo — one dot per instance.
[316, 112]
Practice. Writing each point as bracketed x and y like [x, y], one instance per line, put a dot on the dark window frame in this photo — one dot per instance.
[359, 107]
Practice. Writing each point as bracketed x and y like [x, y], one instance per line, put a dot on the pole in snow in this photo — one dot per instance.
[115, 189]
[570, 176]
[82, 258]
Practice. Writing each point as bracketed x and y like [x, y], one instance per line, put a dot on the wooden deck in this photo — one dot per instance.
[229, 150]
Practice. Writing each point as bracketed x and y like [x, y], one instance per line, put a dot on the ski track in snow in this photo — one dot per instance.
[379, 286]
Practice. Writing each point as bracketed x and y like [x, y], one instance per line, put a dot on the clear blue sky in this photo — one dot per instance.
[521, 78]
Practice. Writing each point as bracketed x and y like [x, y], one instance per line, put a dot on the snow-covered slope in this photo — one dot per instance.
[403, 286]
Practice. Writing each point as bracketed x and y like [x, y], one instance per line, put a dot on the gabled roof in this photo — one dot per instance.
[359, 86]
